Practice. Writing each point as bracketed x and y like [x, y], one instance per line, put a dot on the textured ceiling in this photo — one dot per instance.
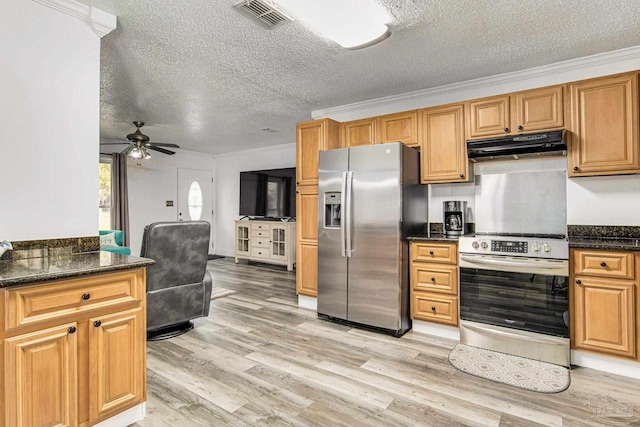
[203, 75]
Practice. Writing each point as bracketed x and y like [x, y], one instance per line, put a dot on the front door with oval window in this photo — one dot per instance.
[195, 190]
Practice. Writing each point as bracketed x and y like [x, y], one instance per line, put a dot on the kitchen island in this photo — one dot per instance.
[73, 332]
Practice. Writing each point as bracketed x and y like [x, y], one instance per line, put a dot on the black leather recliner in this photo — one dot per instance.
[178, 284]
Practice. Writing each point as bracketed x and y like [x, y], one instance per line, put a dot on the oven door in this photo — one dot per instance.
[528, 294]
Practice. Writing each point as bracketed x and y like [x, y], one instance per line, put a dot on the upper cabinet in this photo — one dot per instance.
[489, 117]
[444, 149]
[311, 138]
[401, 127]
[359, 132]
[604, 126]
[520, 112]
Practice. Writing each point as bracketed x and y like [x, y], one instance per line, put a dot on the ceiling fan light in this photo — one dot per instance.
[146, 154]
[136, 153]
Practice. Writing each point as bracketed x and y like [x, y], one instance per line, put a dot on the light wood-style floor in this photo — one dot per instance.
[259, 360]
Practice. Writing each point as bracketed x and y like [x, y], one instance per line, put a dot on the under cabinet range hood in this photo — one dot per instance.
[518, 146]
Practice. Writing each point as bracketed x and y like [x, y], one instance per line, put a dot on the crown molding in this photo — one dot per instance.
[101, 22]
[627, 59]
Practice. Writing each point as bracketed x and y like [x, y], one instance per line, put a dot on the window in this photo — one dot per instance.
[104, 199]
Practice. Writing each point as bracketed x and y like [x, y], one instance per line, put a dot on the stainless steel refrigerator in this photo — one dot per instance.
[370, 199]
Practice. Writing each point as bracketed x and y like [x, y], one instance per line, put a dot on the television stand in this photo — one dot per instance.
[266, 240]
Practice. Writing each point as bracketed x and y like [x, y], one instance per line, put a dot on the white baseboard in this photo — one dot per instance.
[441, 331]
[308, 302]
[614, 365]
[126, 418]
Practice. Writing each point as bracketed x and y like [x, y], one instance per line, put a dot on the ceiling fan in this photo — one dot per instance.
[139, 144]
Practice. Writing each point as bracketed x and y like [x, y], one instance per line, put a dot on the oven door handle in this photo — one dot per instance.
[486, 261]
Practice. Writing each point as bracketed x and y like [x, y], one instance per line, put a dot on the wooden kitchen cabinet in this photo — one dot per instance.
[41, 377]
[520, 112]
[74, 349]
[604, 126]
[311, 138]
[604, 302]
[307, 241]
[402, 127]
[444, 149]
[359, 132]
[434, 282]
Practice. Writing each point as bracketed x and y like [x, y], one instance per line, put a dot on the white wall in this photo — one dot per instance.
[154, 183]
[228, 186]
[49, 85]
[604, 200]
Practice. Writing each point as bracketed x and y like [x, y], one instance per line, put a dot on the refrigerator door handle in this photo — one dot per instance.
[347, 219]
[343, 198]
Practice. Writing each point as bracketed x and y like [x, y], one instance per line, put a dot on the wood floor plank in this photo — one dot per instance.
[260, 360]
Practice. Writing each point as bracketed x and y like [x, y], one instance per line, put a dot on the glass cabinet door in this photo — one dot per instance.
[242, 238]
[278, 242]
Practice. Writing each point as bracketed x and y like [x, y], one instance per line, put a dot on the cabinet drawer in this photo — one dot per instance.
[28, 305]
[260, 233]
[260, 252]
[434, 308]
[260, 242]
[434, 278]
[259, 227]
[434, 252]
[604, 263]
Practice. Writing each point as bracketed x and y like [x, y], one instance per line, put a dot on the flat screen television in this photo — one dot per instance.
[268, 193]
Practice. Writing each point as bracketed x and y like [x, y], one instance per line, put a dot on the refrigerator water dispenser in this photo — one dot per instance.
[332, 210]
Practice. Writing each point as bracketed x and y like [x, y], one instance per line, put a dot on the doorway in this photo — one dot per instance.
[195, 197]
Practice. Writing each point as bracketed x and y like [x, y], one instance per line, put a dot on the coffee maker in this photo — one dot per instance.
[455, 222]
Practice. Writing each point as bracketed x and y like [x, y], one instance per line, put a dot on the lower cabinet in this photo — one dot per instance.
[605, 302]
[434, 282]
[270, 242]
[77, 353]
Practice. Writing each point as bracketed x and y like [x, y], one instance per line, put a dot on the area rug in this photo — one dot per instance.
[512, 370]
[221, 292]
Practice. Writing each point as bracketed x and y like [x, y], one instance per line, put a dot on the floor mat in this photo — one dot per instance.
[221, 292]
[512, 370]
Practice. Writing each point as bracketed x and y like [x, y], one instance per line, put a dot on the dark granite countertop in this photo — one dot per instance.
[614, 244]
[33, 270]
[434, 237]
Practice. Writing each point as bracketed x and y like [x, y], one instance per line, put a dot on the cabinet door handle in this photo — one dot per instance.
[506, 129]
[578, 282]
[461, 175]
[431, 253]
[85, 297]
[433, 308]
[575, 168]
[520, 127]
[71, 330]
[97, 323]
[433, 279]
[603, 264]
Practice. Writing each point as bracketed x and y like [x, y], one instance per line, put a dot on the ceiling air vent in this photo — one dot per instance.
[262, 12]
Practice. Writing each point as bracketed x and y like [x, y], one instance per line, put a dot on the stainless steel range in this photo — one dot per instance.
[514, 271]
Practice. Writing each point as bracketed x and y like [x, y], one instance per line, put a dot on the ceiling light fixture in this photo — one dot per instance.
[353, 24]
[139, 152]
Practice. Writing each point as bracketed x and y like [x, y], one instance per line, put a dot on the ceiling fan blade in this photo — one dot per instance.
[160, 150]
[114, 143]
[160, 144]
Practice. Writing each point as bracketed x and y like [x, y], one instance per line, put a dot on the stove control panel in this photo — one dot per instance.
[515, 246]
[518, 247]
